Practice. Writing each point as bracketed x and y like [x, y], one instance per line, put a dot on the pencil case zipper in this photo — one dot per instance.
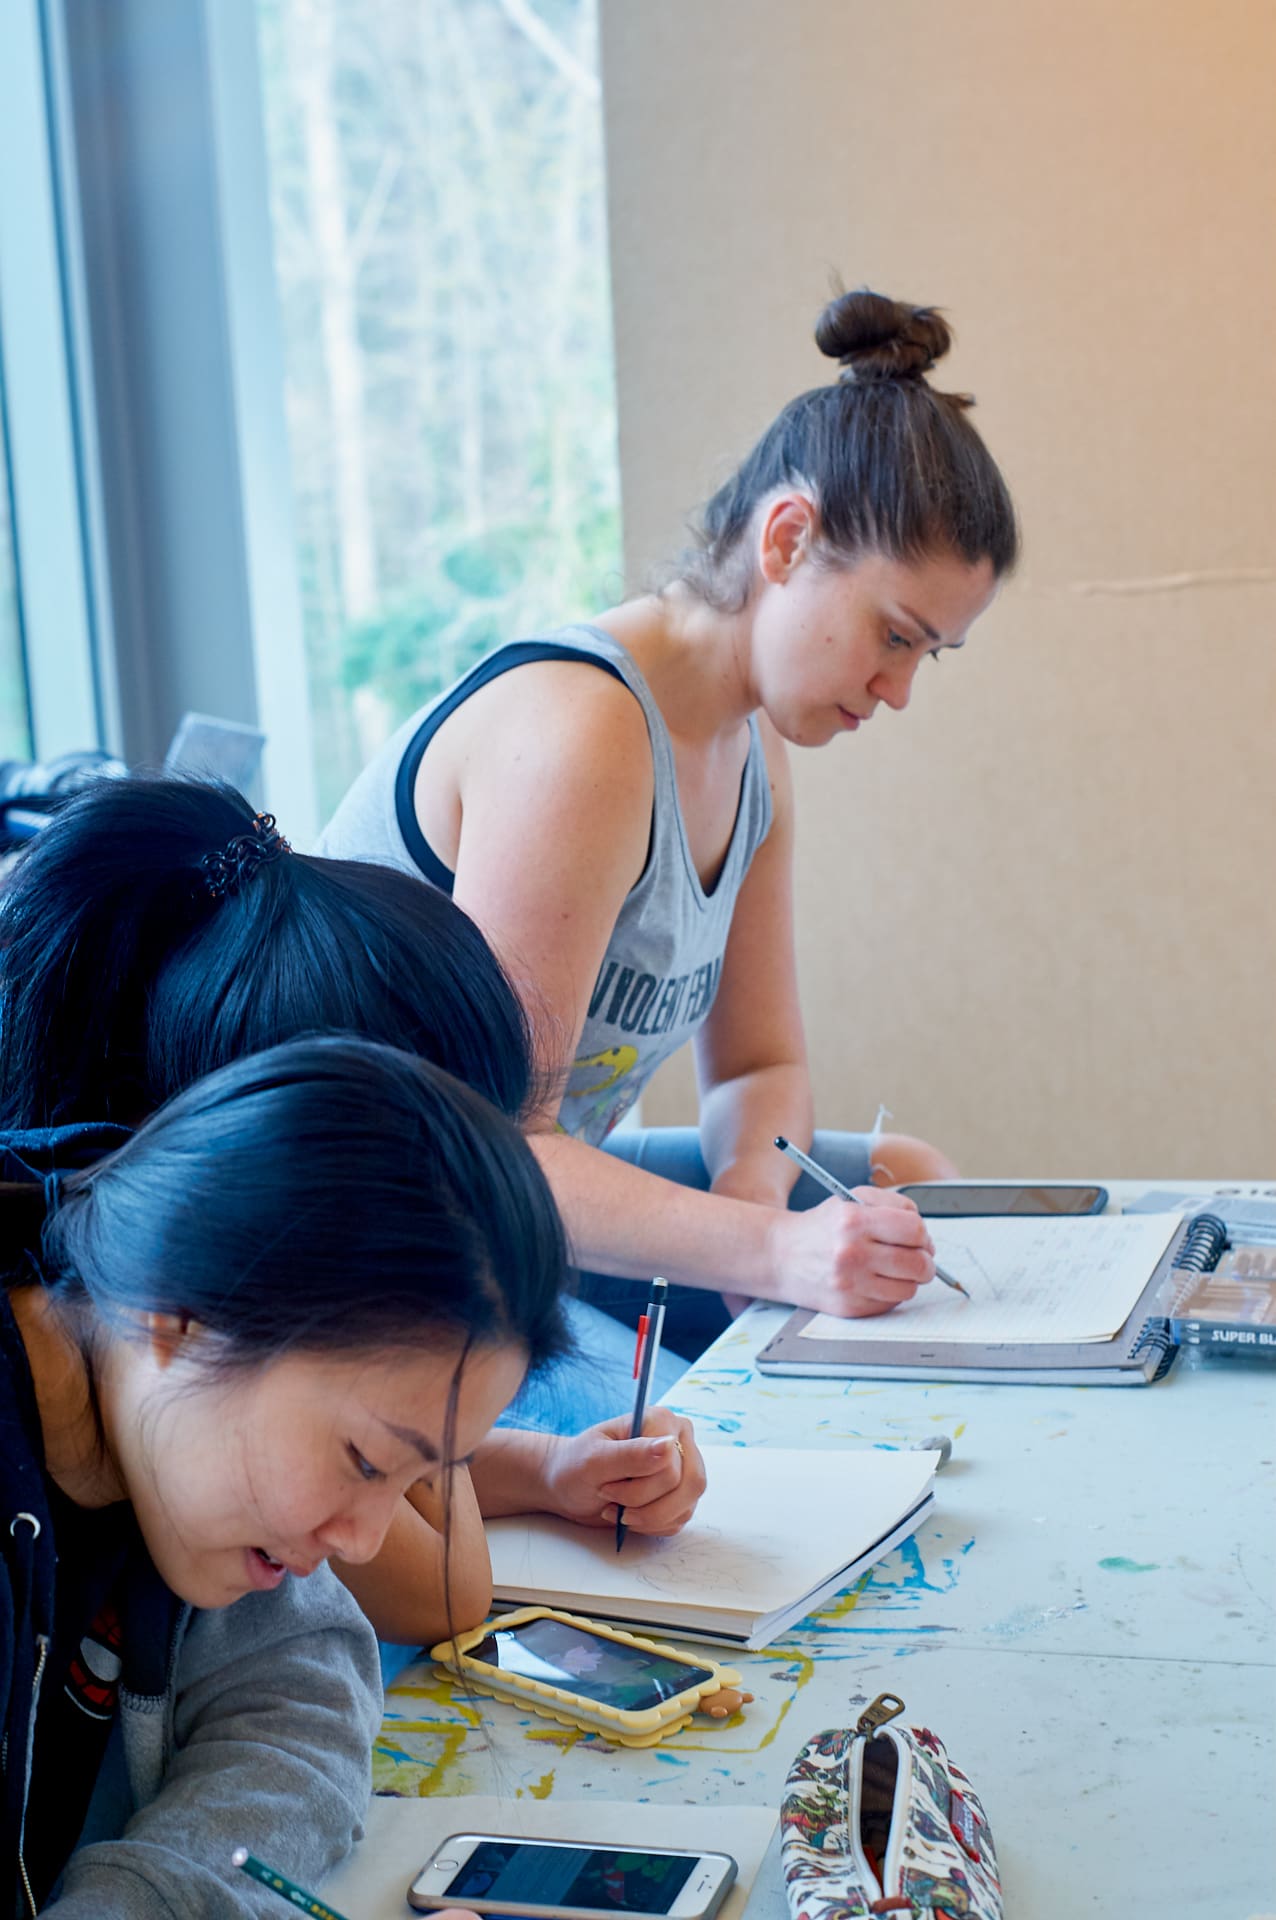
[871, 1725]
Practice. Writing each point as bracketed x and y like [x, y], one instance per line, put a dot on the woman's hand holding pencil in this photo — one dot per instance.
[650, 1332]
[657, 1478]
[858, 1260]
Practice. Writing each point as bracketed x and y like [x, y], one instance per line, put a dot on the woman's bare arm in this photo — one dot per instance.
[555, 816]
[402, 1590]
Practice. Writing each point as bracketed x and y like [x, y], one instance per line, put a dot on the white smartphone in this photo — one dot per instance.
[570, 1880]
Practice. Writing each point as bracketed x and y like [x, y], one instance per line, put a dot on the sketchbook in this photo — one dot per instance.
[1052, 1301]
[778, 1532]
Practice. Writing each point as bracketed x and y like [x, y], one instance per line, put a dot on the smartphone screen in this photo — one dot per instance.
[958, 1202]
[521, 1873]
[609, 1672]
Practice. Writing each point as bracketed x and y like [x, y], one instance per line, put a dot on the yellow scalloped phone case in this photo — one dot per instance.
[626, 1726]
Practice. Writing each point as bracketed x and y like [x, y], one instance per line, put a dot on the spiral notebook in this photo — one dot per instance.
[1075, 1301]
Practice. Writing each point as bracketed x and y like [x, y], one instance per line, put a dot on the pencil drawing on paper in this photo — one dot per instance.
[706, 1560]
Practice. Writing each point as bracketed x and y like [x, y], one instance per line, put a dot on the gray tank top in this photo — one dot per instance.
[660, 972]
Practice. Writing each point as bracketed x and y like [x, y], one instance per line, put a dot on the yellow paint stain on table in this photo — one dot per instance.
[543, 1788]
[845, 1602]
[805, 1665]
[410, 1776]
[419, 1752]
[565, 1738]
[440, 1689]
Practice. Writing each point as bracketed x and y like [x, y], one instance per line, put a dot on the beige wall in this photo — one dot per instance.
[1037, 914]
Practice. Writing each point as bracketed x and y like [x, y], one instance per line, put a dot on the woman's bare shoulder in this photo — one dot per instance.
[551, 753]
[563, 719]
[547, 707]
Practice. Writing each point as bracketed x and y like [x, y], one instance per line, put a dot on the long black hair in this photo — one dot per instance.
[331, 1196]
[895, 465]
[125, 975]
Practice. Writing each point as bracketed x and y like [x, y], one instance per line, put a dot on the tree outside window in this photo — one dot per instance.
[440, 245]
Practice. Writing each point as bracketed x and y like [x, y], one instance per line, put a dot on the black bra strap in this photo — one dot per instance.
[519, 653]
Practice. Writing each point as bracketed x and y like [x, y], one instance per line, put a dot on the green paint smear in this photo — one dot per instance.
[1119, 1564]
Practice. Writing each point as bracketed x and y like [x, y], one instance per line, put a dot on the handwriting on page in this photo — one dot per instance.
[1030, 1282]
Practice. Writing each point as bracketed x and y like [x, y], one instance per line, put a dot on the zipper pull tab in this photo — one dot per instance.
[887, 1706]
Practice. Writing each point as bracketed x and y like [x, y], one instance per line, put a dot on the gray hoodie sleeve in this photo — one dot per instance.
[264, 1741]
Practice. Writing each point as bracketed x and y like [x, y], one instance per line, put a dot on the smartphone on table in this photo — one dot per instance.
[587, 1660]
[571, 1880]
[967, 1199]
[587, 1674]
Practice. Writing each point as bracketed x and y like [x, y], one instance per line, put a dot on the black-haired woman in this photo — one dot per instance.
[156, 930]
[190, 1434]
[612, 804]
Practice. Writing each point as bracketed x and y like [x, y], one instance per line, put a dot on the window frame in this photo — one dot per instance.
[143, 363]
[58, 618]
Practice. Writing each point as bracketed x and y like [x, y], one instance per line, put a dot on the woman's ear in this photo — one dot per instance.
[169, 1335]
[786, 536]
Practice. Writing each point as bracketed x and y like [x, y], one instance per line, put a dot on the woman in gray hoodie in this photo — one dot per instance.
[227, 1349]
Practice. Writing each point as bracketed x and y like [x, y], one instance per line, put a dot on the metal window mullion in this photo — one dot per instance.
[50, 555]
[256, 374]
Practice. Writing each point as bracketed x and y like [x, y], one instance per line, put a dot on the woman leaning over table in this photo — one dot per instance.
[156, 930]
[190, 1437]
[612, 804]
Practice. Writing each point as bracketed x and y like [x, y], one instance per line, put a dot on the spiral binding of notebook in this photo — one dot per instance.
[1202, 1245]
[1156, 1337]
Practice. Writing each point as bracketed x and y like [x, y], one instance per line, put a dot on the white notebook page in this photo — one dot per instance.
[773, 1523]
[1030, 1282]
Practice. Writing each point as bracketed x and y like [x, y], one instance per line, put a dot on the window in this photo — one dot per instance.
[436, 184]
[49, 697]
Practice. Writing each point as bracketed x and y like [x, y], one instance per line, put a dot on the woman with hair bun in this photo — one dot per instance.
[189, 1436]
[612, 804]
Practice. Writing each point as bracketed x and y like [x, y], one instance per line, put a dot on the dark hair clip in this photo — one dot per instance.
[226, 871]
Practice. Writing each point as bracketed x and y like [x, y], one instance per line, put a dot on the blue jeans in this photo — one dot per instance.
[596, 1380]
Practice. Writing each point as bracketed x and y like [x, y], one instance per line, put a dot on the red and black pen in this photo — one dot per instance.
[643, 1324]
[645, 1356]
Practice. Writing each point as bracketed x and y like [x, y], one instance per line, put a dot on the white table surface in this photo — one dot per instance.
[1088, 1619]
[401, 1835]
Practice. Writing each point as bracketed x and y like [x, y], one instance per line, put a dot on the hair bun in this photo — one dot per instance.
[876, 338]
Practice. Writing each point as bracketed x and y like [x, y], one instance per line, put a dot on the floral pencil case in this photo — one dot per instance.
[876, 1819]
